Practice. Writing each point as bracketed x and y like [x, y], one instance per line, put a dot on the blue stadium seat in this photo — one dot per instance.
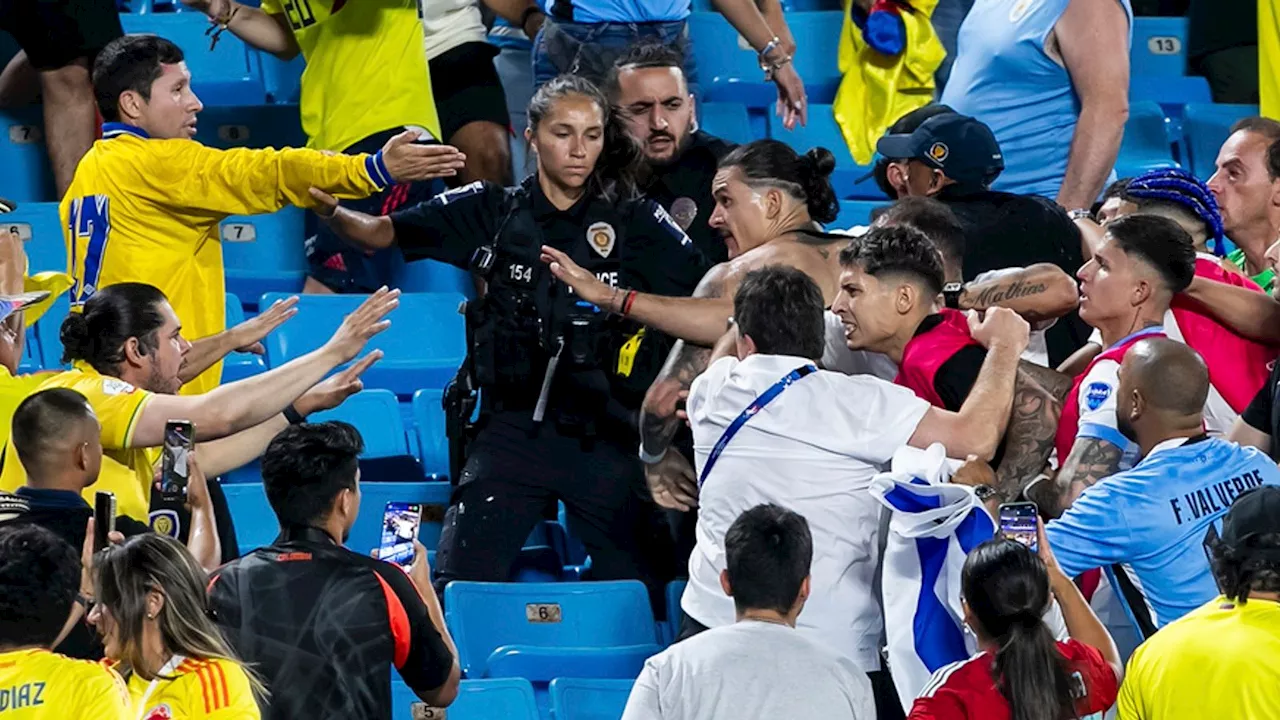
[822, 131]
[255, 522]
[486, 616]
[1206, 128]
[1159, 46]
[856, 212]
[728, 70]
[30, 361]
[283, 78]
[541, 665]
[264, 253]
[423, 347]
[429, 276]
[675, 591]
[376, 414]
[487, 699]
[1169, 91]
[229, 74]
[258, 126]
[39, 226]
[238, 365]
[28, 176]
[726, 120]
[587, 699]
[1146, 144]
[428, 424]
[374, 496]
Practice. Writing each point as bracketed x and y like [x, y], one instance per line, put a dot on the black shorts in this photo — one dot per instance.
[467, 89]
[56, 32]
[345, 269]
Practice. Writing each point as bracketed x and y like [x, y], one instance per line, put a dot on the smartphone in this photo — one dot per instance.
[1018, 522]
[104, 518]
[179, 439]
[400, 523]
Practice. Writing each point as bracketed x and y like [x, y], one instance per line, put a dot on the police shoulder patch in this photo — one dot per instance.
[458, 193]
[664, 219]
[1096, 394]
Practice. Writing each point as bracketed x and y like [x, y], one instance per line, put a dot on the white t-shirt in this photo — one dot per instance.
[837, 356]
[446, 24]
[813, 450]
[750, 669]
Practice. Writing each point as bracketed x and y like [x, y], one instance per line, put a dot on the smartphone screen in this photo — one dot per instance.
[400, 524]
[104, 518]
[1018, 522]
[179, 439]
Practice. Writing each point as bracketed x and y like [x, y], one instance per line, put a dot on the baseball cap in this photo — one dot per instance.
[958, 145]
[1255, 513]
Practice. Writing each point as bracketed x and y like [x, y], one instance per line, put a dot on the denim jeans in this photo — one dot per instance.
[589, 50]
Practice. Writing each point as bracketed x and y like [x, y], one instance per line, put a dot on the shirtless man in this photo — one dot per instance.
[769, 203]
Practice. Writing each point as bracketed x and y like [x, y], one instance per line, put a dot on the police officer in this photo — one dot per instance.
[648, 86]
[561, 380]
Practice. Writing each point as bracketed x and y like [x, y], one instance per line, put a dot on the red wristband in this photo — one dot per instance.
[626, 304]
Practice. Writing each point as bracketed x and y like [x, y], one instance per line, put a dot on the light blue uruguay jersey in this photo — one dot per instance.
[1156, 517]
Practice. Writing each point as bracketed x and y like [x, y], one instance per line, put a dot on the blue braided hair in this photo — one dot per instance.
[1180, 187]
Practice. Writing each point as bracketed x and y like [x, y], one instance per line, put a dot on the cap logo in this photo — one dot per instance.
[939, 151]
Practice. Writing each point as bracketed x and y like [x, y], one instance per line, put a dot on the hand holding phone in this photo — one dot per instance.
[175, 470]
[400, 523]
[1020, 521]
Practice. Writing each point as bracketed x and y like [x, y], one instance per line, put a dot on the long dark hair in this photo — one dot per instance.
[113, 315]
[615, 175]
[1007, 589]
[804, 177]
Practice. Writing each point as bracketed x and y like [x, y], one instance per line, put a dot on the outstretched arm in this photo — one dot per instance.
[700, 319]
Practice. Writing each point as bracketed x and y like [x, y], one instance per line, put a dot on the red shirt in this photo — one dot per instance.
[967, 690]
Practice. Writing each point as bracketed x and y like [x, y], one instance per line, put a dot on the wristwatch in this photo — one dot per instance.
[951, 294]
[648, 459]
[984, 492]
[1080, 214]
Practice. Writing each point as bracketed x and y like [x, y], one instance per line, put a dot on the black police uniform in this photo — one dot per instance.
[684, 189]
[560, 381]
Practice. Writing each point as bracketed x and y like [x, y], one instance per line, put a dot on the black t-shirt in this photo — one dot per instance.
[1261, 415]
[684, 189]
[1214, 25]
[1003, 230]
[323, 626]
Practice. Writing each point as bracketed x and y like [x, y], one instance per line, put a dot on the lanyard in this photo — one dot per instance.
[168, 669]
[755, 407]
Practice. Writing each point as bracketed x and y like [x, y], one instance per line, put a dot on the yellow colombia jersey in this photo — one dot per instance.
[366, 68]
[1222, 660]
[146, 210]
[199, 690]
[41, 685]
[127, 472]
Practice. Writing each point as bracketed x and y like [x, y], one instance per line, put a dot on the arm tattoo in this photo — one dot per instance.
[1037, 407]
[1091, 460]
[658, 420]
